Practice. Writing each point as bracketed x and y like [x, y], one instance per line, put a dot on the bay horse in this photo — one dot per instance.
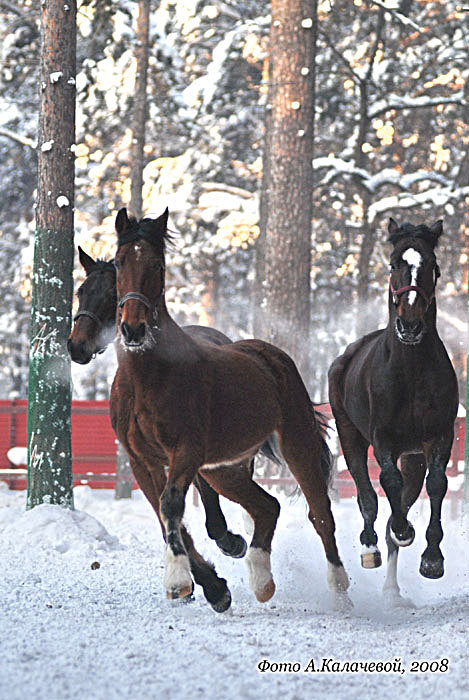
[94, 329]
[396, 390]
[202, 407]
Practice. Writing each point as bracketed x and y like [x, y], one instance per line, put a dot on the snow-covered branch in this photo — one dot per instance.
[408, 102]
[24, 140]
[337, 167]
[439, 196]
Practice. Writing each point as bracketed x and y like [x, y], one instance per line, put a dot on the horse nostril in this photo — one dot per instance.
[133, 335]
[126, 331]
[140, 334]
[400, 325]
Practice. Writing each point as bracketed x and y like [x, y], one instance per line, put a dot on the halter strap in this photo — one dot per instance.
[90, 314]
[411, 288]
[137, 296]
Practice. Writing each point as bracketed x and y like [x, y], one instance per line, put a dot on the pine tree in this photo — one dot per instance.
[49, 392]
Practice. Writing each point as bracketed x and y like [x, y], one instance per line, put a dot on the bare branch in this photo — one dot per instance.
[398, 15]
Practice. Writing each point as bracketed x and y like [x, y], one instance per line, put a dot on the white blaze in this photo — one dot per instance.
[413, 258]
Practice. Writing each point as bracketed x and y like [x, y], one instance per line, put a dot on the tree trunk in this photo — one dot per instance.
[124, 480]
[49, 391]
[287, 207]
[140, 108]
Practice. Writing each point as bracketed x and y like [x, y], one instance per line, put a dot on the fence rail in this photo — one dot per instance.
[94, 450]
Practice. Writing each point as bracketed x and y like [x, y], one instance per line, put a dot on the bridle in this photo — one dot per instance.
[138, 296]
[396, 293]
[135, 295]
[90, 314]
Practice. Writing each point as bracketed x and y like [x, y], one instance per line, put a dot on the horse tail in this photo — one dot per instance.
[326, 454]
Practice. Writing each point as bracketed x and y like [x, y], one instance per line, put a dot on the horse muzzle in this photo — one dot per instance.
[133, 336]
[80, 351]
[409, 332]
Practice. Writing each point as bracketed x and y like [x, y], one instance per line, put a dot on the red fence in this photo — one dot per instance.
[94, 448]
[93, 441]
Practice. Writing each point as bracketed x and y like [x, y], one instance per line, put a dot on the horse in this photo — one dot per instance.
[395, 389]
[94, 329]
[207, 408]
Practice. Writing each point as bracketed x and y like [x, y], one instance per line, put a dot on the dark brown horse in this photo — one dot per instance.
[396, 390]
[209, 408]
[95, 327]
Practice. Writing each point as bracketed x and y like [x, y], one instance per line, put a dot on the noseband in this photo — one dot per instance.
[135, 295]
[90, 314]
[144, 300]
[396, 293]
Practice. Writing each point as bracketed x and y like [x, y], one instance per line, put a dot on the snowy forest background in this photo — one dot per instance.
[391, 139]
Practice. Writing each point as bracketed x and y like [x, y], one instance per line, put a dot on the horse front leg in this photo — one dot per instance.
[401, 531]
[413, 467]
[181, 556]
[230, 544]
[437, 455]
[355, 449]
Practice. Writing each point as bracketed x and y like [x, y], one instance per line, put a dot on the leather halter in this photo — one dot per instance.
[91, 315]
[141, 297]
[135, 295]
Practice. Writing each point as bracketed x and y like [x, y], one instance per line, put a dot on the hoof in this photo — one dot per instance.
[403, 539]
[260, 575]
[184, 593]
[264, 594]
[224, 603]
[188, 599]
[432, 569]
[232, 545]
[371, 558]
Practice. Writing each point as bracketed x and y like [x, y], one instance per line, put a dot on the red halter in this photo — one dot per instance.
[396, 293]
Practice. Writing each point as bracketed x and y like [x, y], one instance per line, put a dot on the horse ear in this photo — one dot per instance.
[436, 230]
[122, 220]
[161, 223]
[393, 227]
[86, 260]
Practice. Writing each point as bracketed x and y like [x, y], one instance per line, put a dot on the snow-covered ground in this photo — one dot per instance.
[68, 630]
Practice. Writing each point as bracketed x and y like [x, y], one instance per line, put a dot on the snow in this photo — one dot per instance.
[84, 613]
[47, 146]
[62, 201]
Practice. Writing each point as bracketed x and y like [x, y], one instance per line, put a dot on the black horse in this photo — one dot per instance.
[95, 328]
[396, 390]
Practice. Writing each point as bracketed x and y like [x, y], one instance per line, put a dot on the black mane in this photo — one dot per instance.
[152, 230]
[430, 234]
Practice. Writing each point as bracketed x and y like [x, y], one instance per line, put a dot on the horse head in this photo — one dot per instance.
[140, 277]
[414, 274]
[93, 327]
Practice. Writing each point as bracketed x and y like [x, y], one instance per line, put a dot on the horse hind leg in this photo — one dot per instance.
[413, 467]
[235, 483]
[229, 543]
[304, 461]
